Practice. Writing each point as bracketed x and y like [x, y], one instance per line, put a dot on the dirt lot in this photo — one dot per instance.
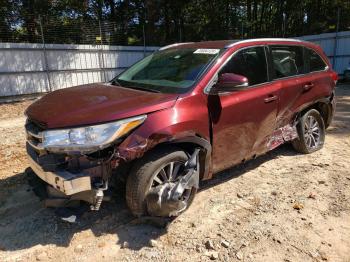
[247, 213]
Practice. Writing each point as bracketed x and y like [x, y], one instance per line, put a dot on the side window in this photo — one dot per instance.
[287, 61]
[315, 61]
[249, 62]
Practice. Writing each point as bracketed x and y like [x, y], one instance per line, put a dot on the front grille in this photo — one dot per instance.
[34, 135]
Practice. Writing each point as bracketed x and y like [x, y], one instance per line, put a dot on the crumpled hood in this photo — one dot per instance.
[95, 103]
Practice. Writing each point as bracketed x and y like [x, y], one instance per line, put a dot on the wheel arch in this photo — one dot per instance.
[324, 106]
[189, 144]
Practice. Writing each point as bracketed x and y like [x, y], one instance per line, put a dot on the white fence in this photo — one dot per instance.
[336, 47]
[34, 68]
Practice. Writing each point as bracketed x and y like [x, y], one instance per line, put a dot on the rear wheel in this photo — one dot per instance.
[155, 169]
[311, 132]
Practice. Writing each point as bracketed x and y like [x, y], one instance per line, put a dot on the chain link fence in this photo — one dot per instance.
[40, 30]
[68, 28]
[39, 56]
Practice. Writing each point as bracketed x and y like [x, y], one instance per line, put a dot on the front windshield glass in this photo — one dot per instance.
[168, 71]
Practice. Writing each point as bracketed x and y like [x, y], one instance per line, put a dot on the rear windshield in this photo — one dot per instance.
[168, 71]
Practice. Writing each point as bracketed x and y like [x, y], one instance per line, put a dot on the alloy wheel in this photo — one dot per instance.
[312, 132]
[170, 173]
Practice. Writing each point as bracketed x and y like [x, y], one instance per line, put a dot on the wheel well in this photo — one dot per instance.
[324, 109]
[189, 148]
[122, 171]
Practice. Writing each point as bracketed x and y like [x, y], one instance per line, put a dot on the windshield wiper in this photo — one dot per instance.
[126, 84]
[144, 89]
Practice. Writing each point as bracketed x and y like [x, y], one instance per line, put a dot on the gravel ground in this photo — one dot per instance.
[282, 206]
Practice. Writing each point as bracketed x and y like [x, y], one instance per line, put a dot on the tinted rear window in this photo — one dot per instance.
[287, 61]
[315, 62]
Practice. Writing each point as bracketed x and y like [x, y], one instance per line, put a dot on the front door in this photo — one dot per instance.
[242, 121]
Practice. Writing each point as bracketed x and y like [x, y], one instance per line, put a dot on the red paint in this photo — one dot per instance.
[95, 103]
[238, 125]
[229, 79]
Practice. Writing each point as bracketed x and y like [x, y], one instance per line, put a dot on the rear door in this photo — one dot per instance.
[321, 83]
[243, 120]
[303, 76]
[288, 68]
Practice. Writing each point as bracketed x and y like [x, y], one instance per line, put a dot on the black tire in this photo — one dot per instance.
[142, 174]
[305, 143]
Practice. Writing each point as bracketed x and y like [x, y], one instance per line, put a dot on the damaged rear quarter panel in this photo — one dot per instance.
[187, 118]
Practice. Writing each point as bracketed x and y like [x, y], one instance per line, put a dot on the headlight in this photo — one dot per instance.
[89, 138]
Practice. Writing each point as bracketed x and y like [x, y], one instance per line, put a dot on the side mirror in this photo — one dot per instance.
[229, 82]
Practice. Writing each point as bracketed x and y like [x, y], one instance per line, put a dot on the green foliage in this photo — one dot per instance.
[166, 21]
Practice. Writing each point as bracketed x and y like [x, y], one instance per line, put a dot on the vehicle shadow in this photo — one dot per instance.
[25, 223]
[241, 169]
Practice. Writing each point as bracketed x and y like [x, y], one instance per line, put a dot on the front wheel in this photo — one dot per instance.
[311, 133]
[155, 169]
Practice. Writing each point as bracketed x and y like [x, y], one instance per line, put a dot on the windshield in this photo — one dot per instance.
[168, 71]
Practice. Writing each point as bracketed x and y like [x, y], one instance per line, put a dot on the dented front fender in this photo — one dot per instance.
[168, 127]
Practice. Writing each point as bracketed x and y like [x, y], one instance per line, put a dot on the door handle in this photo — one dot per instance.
[308, 86]
[270, 98]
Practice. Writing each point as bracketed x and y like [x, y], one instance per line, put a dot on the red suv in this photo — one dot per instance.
[178, 116]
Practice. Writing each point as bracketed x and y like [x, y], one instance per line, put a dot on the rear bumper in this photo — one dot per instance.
[64, 181]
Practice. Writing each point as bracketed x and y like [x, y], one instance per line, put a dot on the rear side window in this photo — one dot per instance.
[249, 62]
[287, 61]
[316, 63]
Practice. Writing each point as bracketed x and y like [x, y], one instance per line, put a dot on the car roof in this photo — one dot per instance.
[204, 44]
[221, 44]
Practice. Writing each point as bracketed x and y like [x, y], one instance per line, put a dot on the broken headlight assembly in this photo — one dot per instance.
[89, 138]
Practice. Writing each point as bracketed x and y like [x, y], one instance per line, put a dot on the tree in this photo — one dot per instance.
[166, 21]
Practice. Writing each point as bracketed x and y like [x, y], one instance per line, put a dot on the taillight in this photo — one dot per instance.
[334, 76]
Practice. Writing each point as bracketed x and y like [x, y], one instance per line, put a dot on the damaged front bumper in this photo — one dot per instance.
[63, 181]
[64, 188]
[69, 178]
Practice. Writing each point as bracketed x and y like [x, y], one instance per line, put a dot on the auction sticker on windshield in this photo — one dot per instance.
[207, 51]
